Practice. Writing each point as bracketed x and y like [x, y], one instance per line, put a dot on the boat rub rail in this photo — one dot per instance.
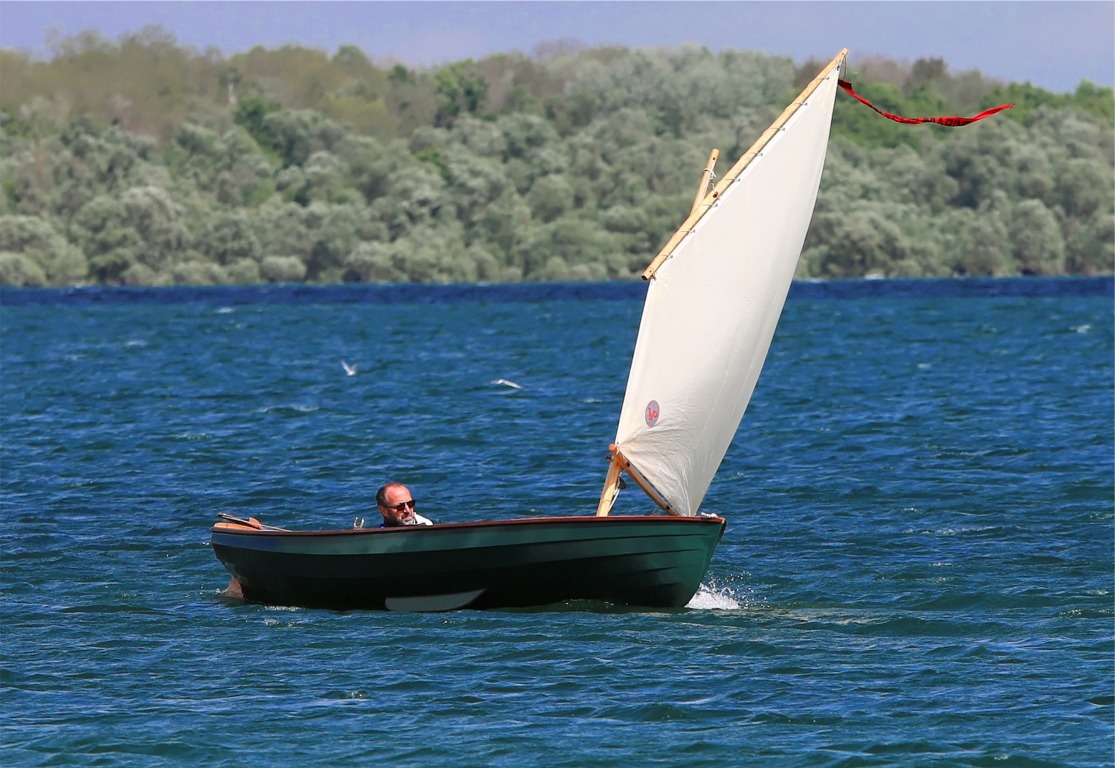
[246, 527]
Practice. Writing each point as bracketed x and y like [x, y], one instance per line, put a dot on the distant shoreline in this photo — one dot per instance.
[412, 293]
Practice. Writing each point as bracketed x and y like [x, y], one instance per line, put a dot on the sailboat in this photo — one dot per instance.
[715, 293]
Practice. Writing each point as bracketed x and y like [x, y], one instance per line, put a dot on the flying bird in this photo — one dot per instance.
[507, 383]
[349, 369]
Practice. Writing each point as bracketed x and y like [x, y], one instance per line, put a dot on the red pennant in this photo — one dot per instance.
[950, 121]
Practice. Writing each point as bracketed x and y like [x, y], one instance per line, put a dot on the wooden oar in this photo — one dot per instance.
[251, 522]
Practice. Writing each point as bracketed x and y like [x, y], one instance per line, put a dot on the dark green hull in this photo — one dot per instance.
[630, 560]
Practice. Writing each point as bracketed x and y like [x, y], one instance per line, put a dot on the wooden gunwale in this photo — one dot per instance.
[519, 521]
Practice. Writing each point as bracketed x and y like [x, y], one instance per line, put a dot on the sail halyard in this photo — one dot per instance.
[715, 294]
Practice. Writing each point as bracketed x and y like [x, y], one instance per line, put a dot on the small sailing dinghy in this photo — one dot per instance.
[715, 293]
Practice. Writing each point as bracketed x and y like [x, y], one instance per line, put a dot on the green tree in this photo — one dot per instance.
[282, 269]
[326, 179]
[473, 184]
[417, 199]
[550, 197]
[45, 251]
[230, 238]
[984, 249]
[1038, 247]
[297, 134]
[251, 115]
[573, 247]
[19, 271]
[461, 91]
[284, 229]
[864, 242]
[112, 247]
[335, 238]
[1090, 244]
[573, 163]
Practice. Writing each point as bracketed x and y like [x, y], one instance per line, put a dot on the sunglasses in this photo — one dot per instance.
[401, 506]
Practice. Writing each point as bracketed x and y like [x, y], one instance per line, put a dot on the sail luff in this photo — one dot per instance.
[714, 301]
[699, 210]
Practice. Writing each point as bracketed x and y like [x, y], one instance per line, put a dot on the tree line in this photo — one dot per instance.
[144, 162]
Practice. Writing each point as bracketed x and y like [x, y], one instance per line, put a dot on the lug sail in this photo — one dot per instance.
[714, 298]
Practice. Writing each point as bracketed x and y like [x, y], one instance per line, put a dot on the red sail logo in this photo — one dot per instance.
[652, 413]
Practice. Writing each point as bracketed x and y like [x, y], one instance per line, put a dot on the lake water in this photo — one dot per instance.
[917, 570]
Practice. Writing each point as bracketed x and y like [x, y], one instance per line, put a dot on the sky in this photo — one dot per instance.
[1053, 45]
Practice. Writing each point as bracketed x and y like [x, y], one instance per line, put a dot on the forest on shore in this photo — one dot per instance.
[144, 162]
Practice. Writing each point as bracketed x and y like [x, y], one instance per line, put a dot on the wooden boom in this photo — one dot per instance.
[608, 496]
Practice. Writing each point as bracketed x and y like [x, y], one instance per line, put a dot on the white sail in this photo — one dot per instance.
[713, 304]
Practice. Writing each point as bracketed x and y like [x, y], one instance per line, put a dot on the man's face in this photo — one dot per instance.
[399, 509]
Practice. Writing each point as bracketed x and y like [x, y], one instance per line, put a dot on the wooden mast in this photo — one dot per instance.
[611, 488]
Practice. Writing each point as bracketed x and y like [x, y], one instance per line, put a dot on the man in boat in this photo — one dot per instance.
[396, 504]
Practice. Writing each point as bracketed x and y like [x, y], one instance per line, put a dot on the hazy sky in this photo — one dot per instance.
[1054, 45]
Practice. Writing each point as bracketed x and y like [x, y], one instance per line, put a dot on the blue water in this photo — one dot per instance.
[917, 570]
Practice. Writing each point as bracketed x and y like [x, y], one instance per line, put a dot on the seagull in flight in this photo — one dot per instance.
[507, 383]
[349, 369]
